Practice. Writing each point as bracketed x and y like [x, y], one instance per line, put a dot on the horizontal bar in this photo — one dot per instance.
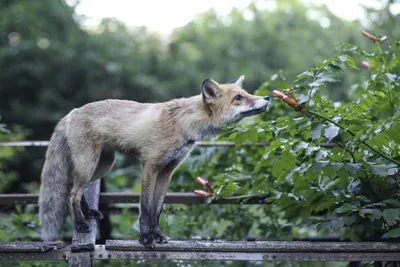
[32, 251]
[30, 246]
[51, 255]
[25, 143]
[101, 254]
[203, 250]
[198, 143]
[115, 197]
[108, 210]
[258, 246]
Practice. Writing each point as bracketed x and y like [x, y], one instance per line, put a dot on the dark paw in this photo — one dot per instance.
[91, 213]
[147, 240]
[82, 227]
[160, 238]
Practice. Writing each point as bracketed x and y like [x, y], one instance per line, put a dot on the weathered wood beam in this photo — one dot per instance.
[259, 246]
[116, 197]
[253, 251]
[16, 251]
[204, 250]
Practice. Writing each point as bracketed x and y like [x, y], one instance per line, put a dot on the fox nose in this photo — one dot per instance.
[266, 98]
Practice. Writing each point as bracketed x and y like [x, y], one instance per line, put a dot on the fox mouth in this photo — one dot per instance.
[252, 112]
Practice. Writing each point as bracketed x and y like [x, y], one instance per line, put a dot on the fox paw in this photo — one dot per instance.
[92, 213]
[82, 227]
[147, 240]
[160, 238]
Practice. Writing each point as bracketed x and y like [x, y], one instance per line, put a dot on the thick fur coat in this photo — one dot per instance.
[161, 135]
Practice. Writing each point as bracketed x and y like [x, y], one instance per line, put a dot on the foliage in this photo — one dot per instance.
[7, 154]
[351, 185]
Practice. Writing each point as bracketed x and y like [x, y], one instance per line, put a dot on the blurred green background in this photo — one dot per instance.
[50, 64]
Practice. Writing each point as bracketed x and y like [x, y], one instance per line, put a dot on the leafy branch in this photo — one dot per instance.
[353, 134]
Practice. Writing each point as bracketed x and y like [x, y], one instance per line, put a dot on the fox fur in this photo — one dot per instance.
[161, 135]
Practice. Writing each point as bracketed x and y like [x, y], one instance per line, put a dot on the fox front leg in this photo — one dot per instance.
[149, 176]
[160, 190]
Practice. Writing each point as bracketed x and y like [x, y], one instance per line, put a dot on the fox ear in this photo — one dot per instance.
[210, 89]
[239, 80]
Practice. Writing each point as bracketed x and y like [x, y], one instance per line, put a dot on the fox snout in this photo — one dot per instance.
[258, 106]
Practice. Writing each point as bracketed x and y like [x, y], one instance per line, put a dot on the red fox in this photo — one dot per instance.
[161, 135]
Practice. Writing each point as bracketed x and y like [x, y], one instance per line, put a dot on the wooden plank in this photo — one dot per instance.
[83, 259]
[258, 246]
[13, 199]
[118, 197]
[84, 243]
[30, 246]
[103, 253]
[56, 254]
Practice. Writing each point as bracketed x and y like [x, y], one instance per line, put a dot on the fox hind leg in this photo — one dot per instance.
[85, 160]
[88, 212]
[75, 201]
[105, 163]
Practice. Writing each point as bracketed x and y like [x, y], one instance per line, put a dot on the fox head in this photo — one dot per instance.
[230, 102]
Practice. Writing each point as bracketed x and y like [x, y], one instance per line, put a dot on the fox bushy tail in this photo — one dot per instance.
[55, 184]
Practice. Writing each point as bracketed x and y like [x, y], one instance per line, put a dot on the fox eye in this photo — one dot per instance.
[238, 98]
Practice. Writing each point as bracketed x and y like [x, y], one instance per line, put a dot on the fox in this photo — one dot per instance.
[161, 135]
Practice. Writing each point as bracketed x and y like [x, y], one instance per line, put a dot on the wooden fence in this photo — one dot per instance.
[82, 249]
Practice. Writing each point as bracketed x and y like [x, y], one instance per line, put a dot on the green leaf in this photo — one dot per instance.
[352, 168]
[316, 131]
[323, 77]
[227, 190]
[346, 208]
[349, 61]
[343, 174]
[306, 74]
[336, 224]
[393, 202]
[319, 165]
[394, 233]
[373, 214]
[391, 215]
[349, 220]
[383, 170]
[325, 205]
[303, 98]
[329, 171]
[253, 136]
[391, 77]
[281, 177]
[381, 94]
[331, 132]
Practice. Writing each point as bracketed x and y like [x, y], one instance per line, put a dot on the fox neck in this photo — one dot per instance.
[192, 119]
